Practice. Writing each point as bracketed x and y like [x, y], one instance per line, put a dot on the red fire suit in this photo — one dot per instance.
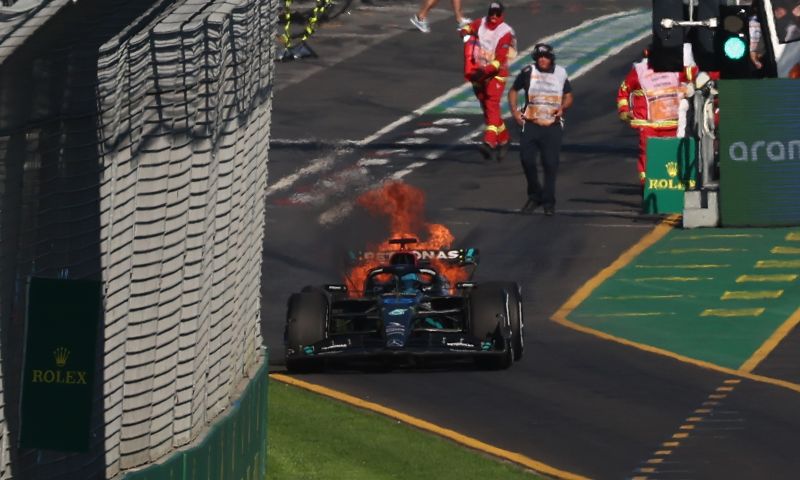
[489, 44]
[649, 101]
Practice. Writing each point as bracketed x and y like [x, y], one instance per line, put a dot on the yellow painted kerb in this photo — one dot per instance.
[430, 427]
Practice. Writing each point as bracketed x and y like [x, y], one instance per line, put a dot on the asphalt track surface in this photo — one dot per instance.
[575, 402]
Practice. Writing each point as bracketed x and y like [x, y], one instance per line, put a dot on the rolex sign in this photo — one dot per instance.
[60, 349]
[671, 170]
[759, 152]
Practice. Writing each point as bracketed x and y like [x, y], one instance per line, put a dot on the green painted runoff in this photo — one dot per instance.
[711, 295]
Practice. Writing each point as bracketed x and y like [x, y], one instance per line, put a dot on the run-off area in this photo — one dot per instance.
[714, 296]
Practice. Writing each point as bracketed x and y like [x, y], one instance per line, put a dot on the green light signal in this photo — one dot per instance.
[734, 48]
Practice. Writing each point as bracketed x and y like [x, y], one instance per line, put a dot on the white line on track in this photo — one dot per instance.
[457, 90]
[341, 210]
[429, 131]
[413, 141]
[317, 165]
[367, 162]
[410, 168]
[338, 212]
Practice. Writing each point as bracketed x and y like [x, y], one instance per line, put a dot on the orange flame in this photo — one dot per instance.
[404, 205]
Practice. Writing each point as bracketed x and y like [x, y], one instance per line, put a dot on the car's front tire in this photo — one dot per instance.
[515, 317]
[306, 321]
[489, 319]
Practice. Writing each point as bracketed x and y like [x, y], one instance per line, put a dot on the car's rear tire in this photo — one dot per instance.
[489, 318]
[306, 321]
[514, 314]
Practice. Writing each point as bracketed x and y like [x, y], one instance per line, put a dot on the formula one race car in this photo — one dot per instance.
[407, 311]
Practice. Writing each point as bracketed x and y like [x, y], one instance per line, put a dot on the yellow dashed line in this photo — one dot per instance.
[672, 279]
[678, 251]
[717, 396]
[793, 236]
[778, 264]
[738, 312]
[785, 250]
[710, 404]
[641, 297]
[720, 235]
[767, 278]
[647, 469]
[751, 295]
[691, 266]
[725, 389]
[639, 478]
[733, 381]
[667, 448]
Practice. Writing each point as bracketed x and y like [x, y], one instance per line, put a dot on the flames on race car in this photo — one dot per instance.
[405, 299]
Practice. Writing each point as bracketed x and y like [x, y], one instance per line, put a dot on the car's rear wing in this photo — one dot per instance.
[460, 256]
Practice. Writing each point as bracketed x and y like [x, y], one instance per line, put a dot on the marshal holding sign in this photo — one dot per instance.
[759, 151]
[61, 332]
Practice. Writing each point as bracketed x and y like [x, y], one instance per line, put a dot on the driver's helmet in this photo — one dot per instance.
[409, 283]
[406, 265]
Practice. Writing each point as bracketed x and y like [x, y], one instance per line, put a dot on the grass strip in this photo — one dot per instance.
[313, 437]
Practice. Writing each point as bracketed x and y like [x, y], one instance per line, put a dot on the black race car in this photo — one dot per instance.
[407, 311]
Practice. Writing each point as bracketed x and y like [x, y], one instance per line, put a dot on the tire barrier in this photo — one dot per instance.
[135, 154]
[235, 448]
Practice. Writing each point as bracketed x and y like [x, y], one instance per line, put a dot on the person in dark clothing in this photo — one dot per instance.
[548, 94]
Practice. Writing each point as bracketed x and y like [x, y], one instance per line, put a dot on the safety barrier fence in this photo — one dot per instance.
[133, 151]
[235, 448]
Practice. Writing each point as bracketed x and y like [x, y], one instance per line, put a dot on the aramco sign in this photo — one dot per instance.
[759, 145]
[60, 350]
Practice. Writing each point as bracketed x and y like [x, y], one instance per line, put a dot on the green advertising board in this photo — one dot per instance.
[671, 169]
[60, 335]
[759, 152]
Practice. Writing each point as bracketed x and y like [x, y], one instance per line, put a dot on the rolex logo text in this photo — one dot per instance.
[57, 375]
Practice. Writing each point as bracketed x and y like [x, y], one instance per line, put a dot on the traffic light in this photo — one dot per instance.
[666, 54]
[703, 39]
[732, 42]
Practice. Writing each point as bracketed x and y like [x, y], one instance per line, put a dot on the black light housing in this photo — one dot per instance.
[666, 54]
[732, 42]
